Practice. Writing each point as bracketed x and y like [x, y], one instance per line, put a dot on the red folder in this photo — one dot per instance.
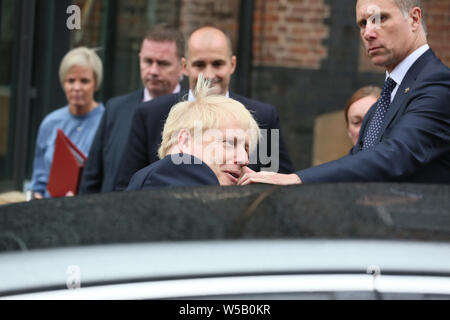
[67, 167]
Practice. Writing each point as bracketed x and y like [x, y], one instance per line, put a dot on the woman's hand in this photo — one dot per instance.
[37, 196]
[69, 194]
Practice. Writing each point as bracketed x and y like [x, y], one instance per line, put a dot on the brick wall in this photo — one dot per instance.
[289, 33]
[437, 19]
[221, 14]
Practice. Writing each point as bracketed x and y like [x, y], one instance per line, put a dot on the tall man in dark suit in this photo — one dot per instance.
[208, 52]
[405, 136]
[161, 70]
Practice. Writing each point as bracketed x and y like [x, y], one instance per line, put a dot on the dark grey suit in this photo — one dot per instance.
[165, 173]
[109, 143]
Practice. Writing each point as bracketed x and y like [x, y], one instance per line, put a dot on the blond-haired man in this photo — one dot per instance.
[205, 141]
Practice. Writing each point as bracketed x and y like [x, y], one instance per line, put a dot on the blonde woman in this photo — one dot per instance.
[80, 74]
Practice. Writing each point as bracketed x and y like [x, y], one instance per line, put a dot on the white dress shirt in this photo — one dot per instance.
[402, 68]
[148, 97]
[191, 95]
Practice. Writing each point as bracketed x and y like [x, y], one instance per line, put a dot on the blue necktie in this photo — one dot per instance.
[372, 133]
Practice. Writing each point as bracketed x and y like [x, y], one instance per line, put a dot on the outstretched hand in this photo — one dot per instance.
[249, 176]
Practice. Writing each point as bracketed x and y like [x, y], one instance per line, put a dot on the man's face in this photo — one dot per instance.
[224, 150]
[208, 53]
[387, 36]
[160, 67]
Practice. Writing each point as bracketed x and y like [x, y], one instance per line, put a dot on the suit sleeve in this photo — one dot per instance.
[135, 156]
[420, 136]
[136, 181]
[284, 158]
[92, 178]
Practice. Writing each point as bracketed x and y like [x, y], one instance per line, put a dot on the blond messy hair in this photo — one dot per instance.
[207, 111]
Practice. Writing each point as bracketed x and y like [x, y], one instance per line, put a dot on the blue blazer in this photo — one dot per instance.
[414, 145]
[148, 123]
[109, 144]
[165, 173]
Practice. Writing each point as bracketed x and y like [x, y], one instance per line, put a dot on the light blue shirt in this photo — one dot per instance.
[80, 130]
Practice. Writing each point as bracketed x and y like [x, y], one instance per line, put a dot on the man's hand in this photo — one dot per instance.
[249, 176]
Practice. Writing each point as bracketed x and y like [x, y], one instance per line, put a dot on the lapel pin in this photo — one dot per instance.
[407, 90]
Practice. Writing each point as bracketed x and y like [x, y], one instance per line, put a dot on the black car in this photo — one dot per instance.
[324, 241]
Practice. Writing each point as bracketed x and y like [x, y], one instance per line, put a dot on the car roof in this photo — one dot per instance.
[41, 270]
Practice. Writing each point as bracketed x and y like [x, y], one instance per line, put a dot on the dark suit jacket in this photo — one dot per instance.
[148, 123]
[109, 143]
[414, 145]
[165, 173]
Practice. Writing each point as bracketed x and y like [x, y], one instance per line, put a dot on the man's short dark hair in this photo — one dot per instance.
[164, 32]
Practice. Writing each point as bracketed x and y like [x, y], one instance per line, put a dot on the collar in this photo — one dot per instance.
[402, 68]
[191, 95]
[98, 109]
[148, 97]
